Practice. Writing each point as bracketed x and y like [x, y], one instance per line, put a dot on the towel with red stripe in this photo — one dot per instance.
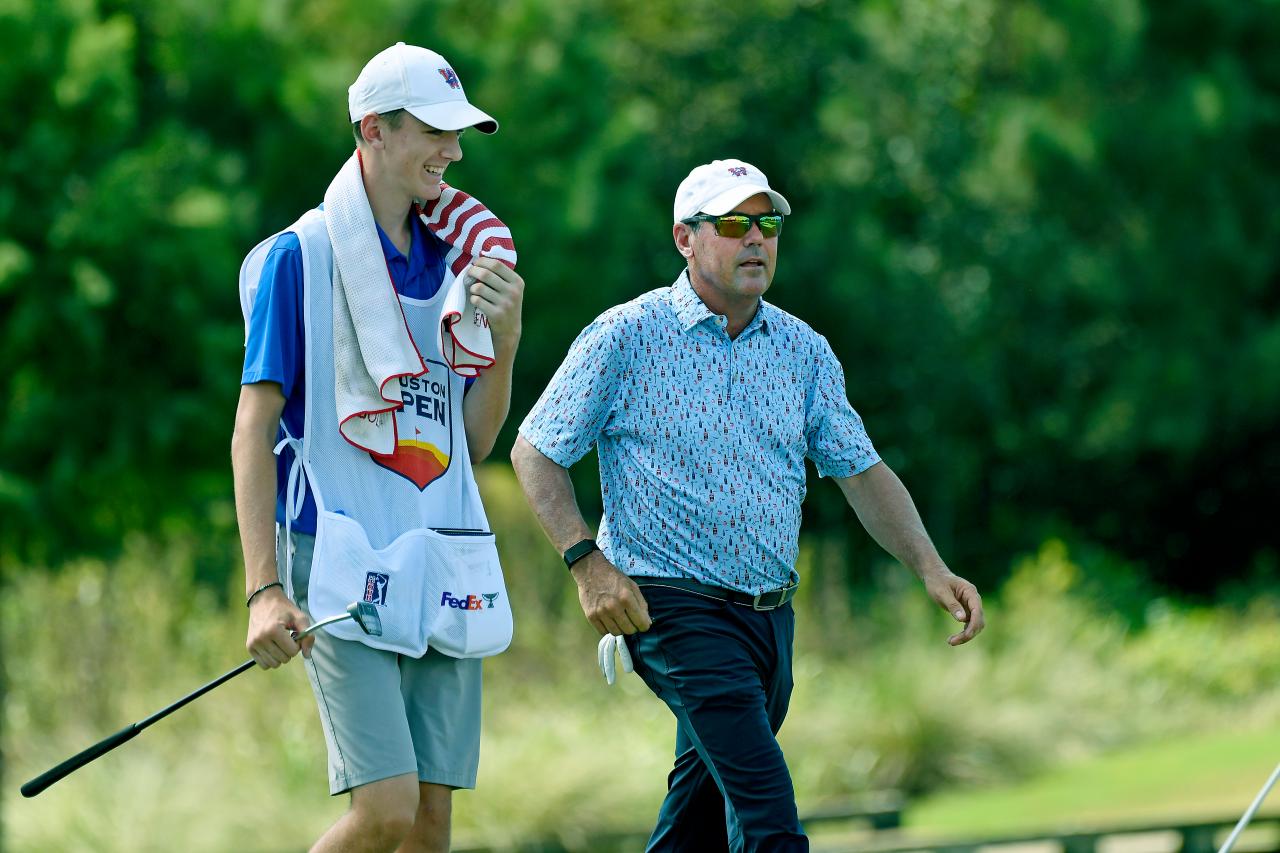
[372, 344]
[471, 231]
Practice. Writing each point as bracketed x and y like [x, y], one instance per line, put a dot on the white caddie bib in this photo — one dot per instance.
[405, 531]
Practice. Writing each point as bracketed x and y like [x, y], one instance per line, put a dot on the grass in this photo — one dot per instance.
[1063, 710]
[1212, 776]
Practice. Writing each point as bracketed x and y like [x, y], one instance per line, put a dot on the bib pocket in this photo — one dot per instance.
[439, 589]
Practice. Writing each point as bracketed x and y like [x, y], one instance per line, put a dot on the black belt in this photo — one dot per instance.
[771, 600]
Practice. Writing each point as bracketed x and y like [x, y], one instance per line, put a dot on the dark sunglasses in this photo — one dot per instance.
[737, 225]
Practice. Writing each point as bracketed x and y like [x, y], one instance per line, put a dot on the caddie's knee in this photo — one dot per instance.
[386, 810]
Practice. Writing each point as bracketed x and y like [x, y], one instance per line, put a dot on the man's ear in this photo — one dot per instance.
[683, 235]
[371, 129]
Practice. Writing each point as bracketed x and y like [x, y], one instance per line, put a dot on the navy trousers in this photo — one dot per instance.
[724, 670]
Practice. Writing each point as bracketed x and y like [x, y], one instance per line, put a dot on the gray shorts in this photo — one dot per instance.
[386, 714]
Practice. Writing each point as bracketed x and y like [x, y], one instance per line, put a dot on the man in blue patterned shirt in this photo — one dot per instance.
[703, 401]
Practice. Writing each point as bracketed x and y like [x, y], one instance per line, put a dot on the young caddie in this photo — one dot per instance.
[382, 329]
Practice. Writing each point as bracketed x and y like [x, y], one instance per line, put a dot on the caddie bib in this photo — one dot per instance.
[405, 531]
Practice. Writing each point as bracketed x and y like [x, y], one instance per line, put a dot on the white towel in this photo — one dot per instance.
[371, 340]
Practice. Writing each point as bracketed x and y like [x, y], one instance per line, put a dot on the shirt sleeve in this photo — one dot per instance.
[576, 406]
[274, 346]
[838, 443]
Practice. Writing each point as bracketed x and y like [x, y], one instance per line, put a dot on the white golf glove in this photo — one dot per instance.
[604, 654]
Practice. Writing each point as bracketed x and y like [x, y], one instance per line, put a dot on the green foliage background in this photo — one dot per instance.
[1041, 235]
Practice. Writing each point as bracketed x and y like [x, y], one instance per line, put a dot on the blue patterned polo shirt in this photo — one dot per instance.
[702, 438]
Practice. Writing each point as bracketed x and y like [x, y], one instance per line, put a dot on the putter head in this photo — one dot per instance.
[366, 616]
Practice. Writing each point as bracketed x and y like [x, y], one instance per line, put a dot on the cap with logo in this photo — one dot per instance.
[720, 186]
[419, 81]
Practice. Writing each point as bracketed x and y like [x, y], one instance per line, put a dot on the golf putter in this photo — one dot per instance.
[363, 613]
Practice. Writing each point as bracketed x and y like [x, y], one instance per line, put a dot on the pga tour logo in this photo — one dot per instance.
[471, 602]
[375, 588]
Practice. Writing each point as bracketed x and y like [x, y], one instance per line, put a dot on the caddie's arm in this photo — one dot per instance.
[498, 291]
[885, 508]
[253, 464]
[611, 601]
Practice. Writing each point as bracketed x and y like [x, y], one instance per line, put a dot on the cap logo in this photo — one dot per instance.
[738, 171]
[450, 78]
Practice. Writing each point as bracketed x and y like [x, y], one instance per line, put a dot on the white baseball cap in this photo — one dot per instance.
[417, 80]
[720, 186]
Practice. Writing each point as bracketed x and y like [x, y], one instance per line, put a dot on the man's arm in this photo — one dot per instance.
[886, 510]
[612, 602]
[498, 291]
[253, 464]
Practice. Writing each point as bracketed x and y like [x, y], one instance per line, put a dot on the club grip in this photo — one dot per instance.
[79, 760]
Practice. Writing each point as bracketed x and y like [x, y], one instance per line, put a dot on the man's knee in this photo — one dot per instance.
[386, 810]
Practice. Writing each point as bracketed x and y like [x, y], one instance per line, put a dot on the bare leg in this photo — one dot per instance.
[431, 828]
[381, 816]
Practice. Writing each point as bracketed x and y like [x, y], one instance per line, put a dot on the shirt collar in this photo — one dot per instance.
[691, 310]
[688, 305]
[416, 248]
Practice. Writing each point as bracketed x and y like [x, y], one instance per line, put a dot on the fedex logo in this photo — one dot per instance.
[471, 602]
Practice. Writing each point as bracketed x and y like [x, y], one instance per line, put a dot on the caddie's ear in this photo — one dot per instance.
[683, 235]
[371, 130]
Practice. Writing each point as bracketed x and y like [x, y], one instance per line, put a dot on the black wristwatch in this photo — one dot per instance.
[579, 550]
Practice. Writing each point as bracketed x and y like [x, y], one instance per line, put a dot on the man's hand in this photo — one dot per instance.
[498, 291]
[611, 601]
[271, 617]
[960, 598]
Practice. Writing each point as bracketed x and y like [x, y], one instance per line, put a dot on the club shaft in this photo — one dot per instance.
[1252, 810]
[129, 732]
[222, 679]
[313, 628]
[194, 695]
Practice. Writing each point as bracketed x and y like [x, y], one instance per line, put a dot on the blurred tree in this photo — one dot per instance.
[1042, 236]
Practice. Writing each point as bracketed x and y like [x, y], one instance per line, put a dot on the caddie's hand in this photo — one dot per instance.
[272, 616]
[960, 598]
[611, 601]
[498, 291]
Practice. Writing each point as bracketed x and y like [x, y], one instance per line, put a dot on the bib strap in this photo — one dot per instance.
[295, 496]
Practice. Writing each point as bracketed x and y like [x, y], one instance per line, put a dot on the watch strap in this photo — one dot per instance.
[578, 550]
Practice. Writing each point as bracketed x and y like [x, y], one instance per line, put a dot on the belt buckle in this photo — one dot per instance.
[755, 603]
